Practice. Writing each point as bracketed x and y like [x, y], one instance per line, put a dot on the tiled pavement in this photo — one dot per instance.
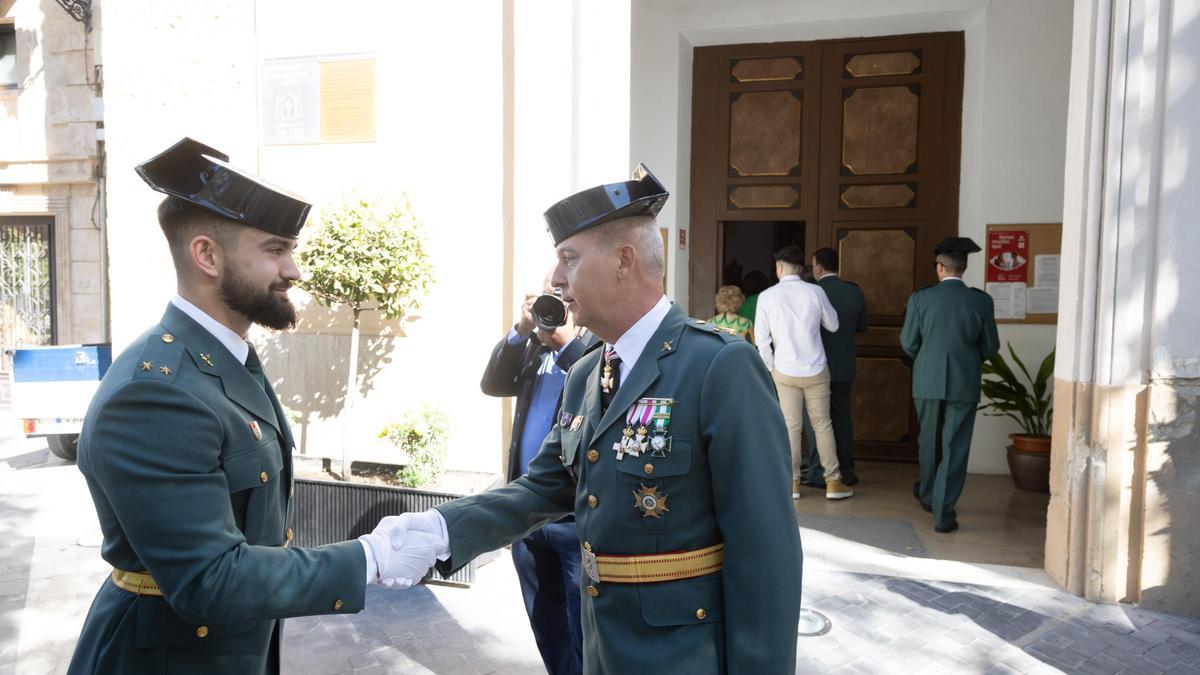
[890, 613]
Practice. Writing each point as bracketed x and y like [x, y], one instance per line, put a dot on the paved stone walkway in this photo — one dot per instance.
[890, 613]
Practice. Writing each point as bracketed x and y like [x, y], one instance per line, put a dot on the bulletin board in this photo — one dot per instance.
[1021, 271]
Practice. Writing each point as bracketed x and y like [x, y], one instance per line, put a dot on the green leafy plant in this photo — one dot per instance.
[1031, 406]
[367, 255]
[422, 435]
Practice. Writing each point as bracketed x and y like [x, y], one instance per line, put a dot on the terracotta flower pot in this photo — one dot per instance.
[1027, 443]
[1030, 468]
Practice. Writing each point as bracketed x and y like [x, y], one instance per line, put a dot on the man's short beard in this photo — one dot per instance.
[260, 307]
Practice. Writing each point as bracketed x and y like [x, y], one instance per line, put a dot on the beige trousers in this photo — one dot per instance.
[794, 394]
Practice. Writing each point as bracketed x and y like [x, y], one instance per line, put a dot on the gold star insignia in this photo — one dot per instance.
[667, 346]
[207, 360]
[165, 370]
[146, 366]
[650, 502]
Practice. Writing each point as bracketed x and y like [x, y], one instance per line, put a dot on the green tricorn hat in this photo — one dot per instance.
[641, 195]
[201, 175]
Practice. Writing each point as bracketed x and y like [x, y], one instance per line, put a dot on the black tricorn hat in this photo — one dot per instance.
[962, 245]
[201, 175]
[641, 195]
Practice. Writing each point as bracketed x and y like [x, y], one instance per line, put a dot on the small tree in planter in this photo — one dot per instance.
[369, 256]
[422, 435]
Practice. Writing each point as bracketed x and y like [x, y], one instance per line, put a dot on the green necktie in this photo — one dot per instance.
[254, 365]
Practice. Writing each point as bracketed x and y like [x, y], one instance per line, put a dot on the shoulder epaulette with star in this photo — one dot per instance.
[160, 358]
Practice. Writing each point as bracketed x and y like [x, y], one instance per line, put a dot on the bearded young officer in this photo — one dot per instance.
[671, 450]
[187, 452]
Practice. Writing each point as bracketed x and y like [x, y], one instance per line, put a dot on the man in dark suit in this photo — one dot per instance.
[851, 307]
[531, 364]
[188, 455]
[949, 330]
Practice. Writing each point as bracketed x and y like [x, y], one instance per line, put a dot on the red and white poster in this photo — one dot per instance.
[1008, 256]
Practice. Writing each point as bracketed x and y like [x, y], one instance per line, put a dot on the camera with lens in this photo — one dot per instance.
[549, 311]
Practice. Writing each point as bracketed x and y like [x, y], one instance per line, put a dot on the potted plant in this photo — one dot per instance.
[1031, 406]
[368, 256]
[331, 511]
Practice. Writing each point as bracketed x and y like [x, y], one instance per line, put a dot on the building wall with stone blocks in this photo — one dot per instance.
[51, 126]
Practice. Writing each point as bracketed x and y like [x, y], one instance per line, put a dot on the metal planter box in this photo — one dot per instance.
[328, 512]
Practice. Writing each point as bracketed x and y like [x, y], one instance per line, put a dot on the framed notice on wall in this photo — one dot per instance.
[1021, 264]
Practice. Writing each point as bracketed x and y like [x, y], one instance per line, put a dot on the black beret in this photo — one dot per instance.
[641, 195]
[957, 245]
[201, 175]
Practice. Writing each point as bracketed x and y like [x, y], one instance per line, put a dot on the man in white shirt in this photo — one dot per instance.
[787, 328]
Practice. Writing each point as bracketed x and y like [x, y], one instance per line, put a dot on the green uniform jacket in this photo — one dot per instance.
[726, 479]
[186, 489]
[949, 330]
[851, 307]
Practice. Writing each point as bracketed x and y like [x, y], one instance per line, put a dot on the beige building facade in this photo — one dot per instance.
[1072, 113]
[51, 174]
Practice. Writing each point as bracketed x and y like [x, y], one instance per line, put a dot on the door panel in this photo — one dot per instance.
[855, 141]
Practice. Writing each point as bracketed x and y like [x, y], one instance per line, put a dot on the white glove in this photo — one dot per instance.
[429, 522]
[400, 566]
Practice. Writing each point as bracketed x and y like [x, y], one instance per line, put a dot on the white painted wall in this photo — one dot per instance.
[439, 137]
[1014, 112]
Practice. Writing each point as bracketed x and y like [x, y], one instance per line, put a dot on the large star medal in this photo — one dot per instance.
[649, 502]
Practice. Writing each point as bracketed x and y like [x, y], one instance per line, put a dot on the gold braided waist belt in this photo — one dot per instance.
[138, 583]
[641, 569]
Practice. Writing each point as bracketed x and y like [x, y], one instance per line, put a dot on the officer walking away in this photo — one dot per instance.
[788, 325]
[187, 453]
[949, 331]
[840, 353]
[531, 363]
[670, 449]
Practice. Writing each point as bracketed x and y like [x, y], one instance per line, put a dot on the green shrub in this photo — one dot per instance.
[422, 435]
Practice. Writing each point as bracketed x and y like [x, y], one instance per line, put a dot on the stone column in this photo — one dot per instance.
[1125, 479]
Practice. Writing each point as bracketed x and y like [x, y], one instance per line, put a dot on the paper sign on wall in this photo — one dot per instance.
[1008, 256]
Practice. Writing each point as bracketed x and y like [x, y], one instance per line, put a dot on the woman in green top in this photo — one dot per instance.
[729, 301]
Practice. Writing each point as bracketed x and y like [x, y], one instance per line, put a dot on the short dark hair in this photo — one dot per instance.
[790, 254]
[181, 221]
[955, 263]
[827, 258]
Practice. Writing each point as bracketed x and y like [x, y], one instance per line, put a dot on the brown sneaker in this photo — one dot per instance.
[836, 489]
[795, 489]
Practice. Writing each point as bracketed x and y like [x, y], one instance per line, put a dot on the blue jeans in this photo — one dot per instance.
[548, 567]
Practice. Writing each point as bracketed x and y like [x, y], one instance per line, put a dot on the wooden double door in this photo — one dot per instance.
[851, 144]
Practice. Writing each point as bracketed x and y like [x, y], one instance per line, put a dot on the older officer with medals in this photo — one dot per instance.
[187, 452]
[672, 452]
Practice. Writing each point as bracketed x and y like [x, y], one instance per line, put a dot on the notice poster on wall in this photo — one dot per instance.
[1008, 256]
[1009, 300]
[1021, 263]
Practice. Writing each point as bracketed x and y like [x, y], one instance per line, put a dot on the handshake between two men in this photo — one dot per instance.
[402, 549]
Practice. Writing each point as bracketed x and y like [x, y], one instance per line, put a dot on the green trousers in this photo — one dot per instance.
[843, 433]
[945, 444]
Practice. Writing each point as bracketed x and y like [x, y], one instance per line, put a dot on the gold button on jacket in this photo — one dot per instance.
[592, 501]
[202, 632]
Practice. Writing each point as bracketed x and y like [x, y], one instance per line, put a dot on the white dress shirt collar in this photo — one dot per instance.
[789, 277]
[827, 274]
[950, 278]
[232, 341]
[629, 347]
